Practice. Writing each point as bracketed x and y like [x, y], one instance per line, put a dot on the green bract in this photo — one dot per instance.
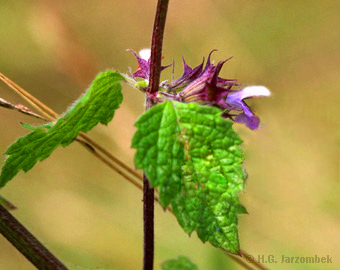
[191, 151]
[98, 104]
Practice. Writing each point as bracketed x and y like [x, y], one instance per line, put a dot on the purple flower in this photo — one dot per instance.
[192, 75]
[143, 68]
[203, 85]
[235, 101]
[188, 76]
[206, 87]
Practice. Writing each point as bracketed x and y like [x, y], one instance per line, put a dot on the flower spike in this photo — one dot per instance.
[202, 84]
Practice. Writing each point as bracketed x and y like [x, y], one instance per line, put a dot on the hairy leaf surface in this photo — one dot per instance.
[205, 198]
[160, 150]
[97, 105]
[212, 176]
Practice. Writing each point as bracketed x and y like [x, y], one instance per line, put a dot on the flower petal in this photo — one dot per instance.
[235, 101]
[145, 54]
[236, 98]
[251, 122]
[189, 75]
[143, 66]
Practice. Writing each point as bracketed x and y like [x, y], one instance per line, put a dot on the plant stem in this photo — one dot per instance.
[251, 260]
[27, 244]
[93, 151]
[7, 204]
[37, 104]
[148, 222]
[155, 72]
[156, 45]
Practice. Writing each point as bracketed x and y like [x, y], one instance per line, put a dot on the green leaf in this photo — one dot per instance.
[160, 150]
[205, 198]
[212, 176]
[182, 263]
[98, 104]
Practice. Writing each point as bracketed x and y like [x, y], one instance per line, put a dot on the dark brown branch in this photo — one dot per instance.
[27, 244]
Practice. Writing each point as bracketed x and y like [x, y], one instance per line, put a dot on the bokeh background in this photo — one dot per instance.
[89, 216]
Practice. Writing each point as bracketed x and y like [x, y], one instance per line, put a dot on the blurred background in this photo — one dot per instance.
[91, 217]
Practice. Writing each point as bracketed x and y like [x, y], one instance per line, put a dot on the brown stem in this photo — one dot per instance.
[239, 261]
[20, 108]
[108, 163]
[37, 104]
[148, 223]
[7, 204]
[155, 72]
[27, 244]
[251, 260]
[109, 155]
[156, 45]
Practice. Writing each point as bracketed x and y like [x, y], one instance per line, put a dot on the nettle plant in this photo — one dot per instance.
[184, 142]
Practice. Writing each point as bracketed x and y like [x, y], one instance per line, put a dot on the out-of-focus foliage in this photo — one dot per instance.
[181, 263]
[90, 216]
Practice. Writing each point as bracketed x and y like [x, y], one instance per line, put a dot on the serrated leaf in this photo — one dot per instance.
[181, 263]
[160, 150]
[211, 176]
[97, 105]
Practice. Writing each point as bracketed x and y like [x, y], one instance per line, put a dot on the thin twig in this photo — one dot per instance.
[109, 155]
[101, 158]
[27, 244]
[37, 104]
[7, 204]
[20, 108]
[250, 259]
[238, 260]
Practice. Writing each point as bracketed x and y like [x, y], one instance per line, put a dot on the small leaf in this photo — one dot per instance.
[98, 104]
[160, 150]
[182, 263]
